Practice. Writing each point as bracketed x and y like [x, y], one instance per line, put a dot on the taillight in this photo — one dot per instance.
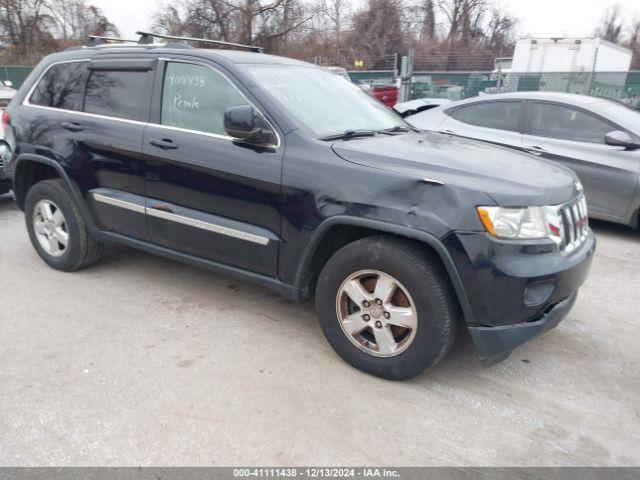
[6, 117]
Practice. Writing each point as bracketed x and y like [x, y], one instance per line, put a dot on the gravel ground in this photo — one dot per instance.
[143, 361]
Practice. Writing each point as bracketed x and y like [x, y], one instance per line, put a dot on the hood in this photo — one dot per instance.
[511, 178]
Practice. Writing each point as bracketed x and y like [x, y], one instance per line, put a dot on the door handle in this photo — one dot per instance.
[73, 126]
[164, 144]
[534, 150]
[448, 132]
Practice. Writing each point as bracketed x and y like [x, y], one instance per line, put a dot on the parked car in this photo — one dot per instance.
[339, 71]
[275, 171]
[5, 179]
[383, 92]
[6, 93]
[597, 138]
[411, 107]
[386, 93]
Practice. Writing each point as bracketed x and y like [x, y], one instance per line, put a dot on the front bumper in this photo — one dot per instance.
[495, 344]
[515, 290]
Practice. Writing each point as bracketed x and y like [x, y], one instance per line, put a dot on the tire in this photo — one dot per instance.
[81, 249]
[421, 285]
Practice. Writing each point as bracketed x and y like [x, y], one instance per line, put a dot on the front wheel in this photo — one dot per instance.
[387, 307]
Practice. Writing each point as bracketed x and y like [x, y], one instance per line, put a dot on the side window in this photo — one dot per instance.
[61, 87]
[497, 115]
[195, 97]
[120, 94]
[566, 123]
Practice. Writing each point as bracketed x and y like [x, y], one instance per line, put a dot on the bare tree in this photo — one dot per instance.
[336, 11]
[75, 20]
[611, 27]
[37, 27]
[634, 44]
[27, 26]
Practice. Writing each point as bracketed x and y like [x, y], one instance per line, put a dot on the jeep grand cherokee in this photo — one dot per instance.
[275, 171]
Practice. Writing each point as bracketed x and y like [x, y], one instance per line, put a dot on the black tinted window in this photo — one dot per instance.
[61, 86]
[566, 123]
[119, 94]
[195, 97]
[498, 115]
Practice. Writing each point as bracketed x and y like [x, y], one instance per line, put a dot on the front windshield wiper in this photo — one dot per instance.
[399, 128]
[350, 134]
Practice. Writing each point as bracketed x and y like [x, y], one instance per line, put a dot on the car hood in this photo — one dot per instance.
[511, 178]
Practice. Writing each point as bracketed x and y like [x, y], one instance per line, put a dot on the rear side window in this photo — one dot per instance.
[496, 115]
[121, 94]
[566, 123]
[195, 97]
[61, 86]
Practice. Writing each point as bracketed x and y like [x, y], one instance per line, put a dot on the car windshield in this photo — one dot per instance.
[323, 102]
[622, 114]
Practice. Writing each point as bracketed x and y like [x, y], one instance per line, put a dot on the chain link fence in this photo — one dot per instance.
[16, 75]
[620, 86]
[364, 68]
[457, 85]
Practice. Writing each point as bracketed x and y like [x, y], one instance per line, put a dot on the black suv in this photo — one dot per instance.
[275, 171]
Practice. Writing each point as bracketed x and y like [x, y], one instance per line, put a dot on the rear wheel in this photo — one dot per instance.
[386, 307]
[56, 228]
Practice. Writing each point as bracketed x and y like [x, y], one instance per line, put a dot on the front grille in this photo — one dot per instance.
[575, 224]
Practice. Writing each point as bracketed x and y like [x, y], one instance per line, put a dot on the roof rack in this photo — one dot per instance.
[94, 40]
[146, 38]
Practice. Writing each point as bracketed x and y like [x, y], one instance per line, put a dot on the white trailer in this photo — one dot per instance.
[569, 55]
[591, 66]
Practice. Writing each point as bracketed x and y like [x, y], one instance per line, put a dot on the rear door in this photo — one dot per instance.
[574, 138]
[209, 195]
[103, 142]
[498, 122]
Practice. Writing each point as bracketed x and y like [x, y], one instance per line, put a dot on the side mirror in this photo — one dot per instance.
[8, 83]
[621, 139]
[243, 122]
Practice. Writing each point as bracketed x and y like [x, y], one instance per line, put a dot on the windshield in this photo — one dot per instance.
[623, 115]
[322, 102]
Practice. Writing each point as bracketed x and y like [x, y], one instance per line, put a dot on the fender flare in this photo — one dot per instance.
[76, 195]
[384, 227]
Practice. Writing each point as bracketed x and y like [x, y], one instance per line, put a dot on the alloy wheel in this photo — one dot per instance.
[50, 228]
[376, 313]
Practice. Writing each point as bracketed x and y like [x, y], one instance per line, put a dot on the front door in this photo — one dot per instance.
[575, 139]
[208, 195]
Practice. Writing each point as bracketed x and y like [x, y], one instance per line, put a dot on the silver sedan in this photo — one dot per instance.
[598, 138]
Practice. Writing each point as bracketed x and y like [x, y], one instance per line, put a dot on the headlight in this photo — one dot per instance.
[521, 223]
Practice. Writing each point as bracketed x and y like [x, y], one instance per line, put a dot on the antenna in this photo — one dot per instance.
[93, 40]
[146, 38]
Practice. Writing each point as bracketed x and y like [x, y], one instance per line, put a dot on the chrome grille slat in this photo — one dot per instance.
[581, 219]
[576, 220]
[575, 224]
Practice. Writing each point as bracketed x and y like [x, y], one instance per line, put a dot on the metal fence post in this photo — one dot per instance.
[395, 65]
[406, 72]
[593, 70]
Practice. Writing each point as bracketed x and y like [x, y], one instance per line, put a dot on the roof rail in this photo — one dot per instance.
[94, 40]
[146, 38]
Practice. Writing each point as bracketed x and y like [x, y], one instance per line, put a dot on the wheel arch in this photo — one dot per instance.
[32, 168]
[314, 256]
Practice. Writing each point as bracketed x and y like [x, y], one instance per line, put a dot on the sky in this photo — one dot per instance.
[544, 18]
